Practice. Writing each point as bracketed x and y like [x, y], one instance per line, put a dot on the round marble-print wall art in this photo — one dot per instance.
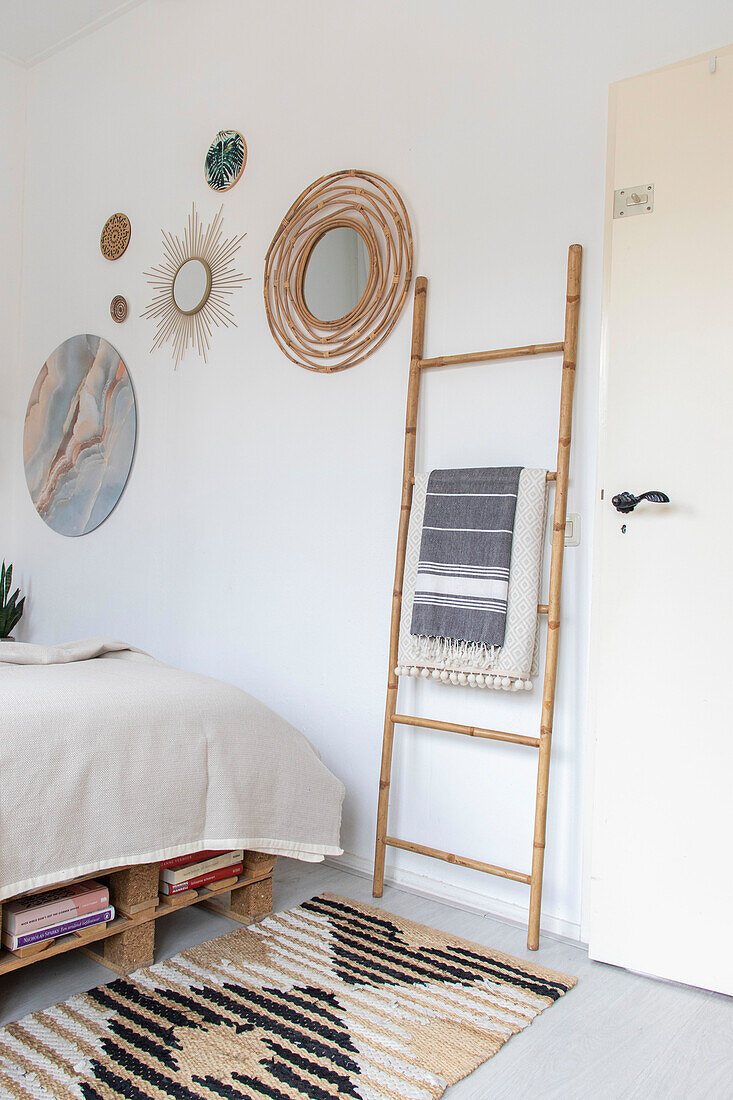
[79, 435]
[115, 236]
[225, 160]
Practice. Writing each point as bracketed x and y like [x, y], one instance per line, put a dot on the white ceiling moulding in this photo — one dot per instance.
[36, 31]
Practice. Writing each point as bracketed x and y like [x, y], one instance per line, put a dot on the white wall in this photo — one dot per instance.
[12, 155]
[255, 540]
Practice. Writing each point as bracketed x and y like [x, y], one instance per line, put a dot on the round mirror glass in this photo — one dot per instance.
[191, 286]
[336, 274]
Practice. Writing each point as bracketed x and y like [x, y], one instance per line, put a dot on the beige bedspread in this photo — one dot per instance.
[108, 757]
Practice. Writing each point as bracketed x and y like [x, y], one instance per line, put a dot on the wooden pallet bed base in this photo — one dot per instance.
[128, 942]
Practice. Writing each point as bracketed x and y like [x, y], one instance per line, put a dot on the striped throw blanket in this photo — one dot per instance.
[465, 551]
[511, 667]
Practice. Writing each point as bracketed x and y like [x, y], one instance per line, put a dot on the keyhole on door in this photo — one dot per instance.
[623, 528]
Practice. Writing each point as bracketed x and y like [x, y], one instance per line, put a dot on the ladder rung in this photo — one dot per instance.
[551, 475]
[543, 609]
[488, 356]
[461, 861]
[469, 731]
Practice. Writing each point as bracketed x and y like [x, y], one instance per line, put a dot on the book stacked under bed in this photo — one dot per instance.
[30, 924]
[112, 917]
[184, 874]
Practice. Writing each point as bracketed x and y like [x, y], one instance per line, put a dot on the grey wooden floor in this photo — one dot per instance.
[616, 1035]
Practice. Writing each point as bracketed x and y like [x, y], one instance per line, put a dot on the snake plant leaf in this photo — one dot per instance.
[16, 616]
[11, 609]
[225, 160]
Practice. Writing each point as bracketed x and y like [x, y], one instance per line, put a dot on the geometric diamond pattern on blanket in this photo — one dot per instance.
[333, 998]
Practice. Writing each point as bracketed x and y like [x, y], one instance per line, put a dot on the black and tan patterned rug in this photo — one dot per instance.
[333, 998]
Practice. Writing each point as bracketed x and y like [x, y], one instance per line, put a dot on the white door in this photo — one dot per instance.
[661, 895]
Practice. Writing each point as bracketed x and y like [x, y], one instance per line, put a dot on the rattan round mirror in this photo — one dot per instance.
[338, 270]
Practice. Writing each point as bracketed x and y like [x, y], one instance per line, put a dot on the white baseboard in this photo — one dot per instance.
[460, 898]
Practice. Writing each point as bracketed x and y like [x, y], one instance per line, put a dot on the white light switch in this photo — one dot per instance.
[572, 529]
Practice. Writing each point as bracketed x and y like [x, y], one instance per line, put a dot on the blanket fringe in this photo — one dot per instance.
[469, 679]
[453, 653]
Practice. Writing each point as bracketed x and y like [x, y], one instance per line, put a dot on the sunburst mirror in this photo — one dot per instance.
[192, 286]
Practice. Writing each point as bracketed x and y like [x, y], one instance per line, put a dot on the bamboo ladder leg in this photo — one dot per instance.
[408, 477]
[570, 345]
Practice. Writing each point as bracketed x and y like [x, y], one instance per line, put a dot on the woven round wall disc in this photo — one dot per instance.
[118, 309]
[115, 236]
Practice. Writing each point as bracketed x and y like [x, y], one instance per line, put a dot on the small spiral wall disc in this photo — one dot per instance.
[118, 309]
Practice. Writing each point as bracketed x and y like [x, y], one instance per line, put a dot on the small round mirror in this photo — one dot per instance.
[191, 286]
[336, 274]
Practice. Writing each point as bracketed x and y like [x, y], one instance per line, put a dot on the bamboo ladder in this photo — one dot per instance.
[552, 608]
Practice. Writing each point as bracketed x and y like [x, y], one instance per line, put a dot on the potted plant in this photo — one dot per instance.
[10, 609]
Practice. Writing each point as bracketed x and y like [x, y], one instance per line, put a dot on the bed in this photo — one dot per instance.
[111, 759]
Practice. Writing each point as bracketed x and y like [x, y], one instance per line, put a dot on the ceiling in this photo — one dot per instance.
[31, 30]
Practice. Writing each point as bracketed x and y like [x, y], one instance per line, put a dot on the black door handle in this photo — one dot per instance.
[626, 502]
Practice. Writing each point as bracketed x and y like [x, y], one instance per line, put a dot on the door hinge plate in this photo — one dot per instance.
[630, 201]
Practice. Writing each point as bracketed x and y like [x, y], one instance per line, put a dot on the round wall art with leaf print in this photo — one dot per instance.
[225, 160]
[79, 436]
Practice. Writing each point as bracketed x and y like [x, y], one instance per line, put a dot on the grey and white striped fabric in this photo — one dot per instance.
[465, 551]
[511, 667]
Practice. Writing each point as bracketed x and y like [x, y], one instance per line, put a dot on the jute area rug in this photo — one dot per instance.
[331, 999]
